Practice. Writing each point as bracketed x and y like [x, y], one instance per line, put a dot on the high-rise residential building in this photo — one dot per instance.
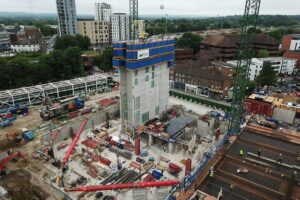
[96, 30]
[119, 27]
[144, 79]
[103, 11]
[67, 19]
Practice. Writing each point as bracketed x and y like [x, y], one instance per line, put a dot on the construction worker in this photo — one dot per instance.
[241, 152]
[211, 172]
[259, 153]
[279, 160]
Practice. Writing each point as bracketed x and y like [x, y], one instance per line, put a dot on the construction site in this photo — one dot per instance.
[96, 138]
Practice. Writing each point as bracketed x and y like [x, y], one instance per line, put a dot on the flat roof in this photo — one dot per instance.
[265, 177]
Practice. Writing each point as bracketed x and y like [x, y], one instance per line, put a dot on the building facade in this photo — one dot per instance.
[225, 47]
[4, 40]
[144, 79]
[213, 81]
[22, 47]
[67, 18]
[280, 65]
[291, 47]
[119, 27]
[96, 30]
[103, 11]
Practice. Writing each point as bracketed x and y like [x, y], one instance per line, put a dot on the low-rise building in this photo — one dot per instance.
[184, 54]
[25, 46]
[4, 40]
[280, 65]
[291, 47]
[96, 30]
[225, 47]
[213, 80]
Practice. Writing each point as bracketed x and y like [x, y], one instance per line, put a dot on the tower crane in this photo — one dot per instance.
[245, 54]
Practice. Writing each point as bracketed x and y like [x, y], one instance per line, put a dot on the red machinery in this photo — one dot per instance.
[4, 161]
[55, 136]
[76, 138]
[124, 186]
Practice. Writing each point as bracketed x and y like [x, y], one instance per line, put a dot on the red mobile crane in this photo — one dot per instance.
[3, 162]
[65, 160]
[124, 186]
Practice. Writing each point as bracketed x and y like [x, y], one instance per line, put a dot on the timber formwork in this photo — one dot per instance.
[37, 94]
[266, 178]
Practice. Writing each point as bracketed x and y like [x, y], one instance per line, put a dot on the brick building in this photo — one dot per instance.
[213, 80]
[291, 47]
[184, 54]
[224, 47]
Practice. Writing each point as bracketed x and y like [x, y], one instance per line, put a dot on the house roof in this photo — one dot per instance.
[232, 40]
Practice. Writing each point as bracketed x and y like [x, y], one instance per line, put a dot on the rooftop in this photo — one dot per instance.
[253, 178]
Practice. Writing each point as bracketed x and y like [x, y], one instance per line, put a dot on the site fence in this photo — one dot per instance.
[200, 101]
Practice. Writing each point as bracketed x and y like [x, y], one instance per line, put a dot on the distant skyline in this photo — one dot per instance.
[151, 7]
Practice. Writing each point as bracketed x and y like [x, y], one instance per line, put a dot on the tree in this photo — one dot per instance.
[262, 53]
[189, 40]
[267, 75]
[72, 57]
[104, 61]
[65, 41]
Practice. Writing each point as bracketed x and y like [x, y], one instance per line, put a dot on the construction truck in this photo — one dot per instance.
[64, 106]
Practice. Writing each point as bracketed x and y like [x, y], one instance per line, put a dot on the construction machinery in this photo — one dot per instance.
[12, 156]
[63, 107]
[65, 160]
[245, 54]
[124, 186]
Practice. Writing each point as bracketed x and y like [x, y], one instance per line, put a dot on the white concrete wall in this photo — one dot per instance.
[25, 48]
[151, 96]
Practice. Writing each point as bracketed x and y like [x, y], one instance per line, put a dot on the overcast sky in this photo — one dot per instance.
[172, 7]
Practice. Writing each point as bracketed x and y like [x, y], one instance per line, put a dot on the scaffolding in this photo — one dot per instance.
[37, 94]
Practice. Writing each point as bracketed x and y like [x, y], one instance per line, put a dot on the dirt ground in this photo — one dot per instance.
[19, 186]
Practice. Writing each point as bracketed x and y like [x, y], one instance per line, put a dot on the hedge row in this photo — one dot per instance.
[200, 101]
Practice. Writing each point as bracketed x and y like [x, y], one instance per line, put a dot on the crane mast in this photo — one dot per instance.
[245, 54]
[133, 17]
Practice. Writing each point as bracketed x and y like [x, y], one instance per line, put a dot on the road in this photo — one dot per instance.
[201, 97]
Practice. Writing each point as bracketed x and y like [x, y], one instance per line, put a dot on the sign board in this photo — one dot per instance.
[143, 54]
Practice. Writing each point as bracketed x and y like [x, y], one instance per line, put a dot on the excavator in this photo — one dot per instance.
[11, 156]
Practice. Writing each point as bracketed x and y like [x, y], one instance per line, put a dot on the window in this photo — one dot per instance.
[145, 117]
[137, 103]
[153, 68]
[147, 69]
[152, 75]
[147, 78]
[152, 84]
[135, 72]
[136, 82]
[157, 110]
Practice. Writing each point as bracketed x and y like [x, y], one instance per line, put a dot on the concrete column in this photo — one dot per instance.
[171, 147]
[150, 139]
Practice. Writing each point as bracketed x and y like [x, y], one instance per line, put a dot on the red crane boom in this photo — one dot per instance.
[9, 158]
[124, 186]
[68, 154]
[55, 136]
